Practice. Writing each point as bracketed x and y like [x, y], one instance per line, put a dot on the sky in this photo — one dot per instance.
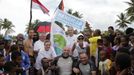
[99, 13]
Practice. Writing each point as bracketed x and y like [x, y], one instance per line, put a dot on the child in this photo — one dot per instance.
[25, 58]
[32, 70]
[100, 47]
[104, 63]
[10, 68]
[107, 46]
[122, 63]
[17, 60]
[46, 66]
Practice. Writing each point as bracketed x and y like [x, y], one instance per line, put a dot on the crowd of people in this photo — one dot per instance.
[88, 53]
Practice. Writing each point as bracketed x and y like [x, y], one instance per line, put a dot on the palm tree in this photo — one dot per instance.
[33, 25]
[76, 13]
[70, 11]
[130, 10]
[87, 26]
[1, 25]
[7, 26]
[122, 21]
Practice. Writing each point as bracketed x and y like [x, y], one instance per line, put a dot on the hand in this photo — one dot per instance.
[50, 60]
[76, 70]
[19, 69]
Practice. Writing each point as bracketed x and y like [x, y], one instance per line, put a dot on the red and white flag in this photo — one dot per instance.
[61, 5]
[38, 4]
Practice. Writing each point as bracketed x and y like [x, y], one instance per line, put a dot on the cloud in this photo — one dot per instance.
[100, 13]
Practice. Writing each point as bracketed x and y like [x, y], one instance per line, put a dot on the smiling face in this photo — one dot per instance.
[66, 52]
[83, 58]
[70, 31]
[42, 36]
[47, 45]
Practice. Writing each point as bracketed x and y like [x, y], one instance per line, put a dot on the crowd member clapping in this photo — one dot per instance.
[80, 46]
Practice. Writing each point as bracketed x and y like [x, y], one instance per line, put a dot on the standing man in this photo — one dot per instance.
[39, 45]
[111, 34]
[93, 42]
[28, 43]
[71, 37]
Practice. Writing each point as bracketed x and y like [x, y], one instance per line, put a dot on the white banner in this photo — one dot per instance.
[69, 20]
[58, 38]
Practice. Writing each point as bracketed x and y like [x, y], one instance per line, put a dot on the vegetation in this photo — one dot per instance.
[122, 21]
[7, 26]
[33, 25]
[77, 14]
[130, 10]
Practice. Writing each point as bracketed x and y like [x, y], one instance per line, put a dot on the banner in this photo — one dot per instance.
[58, 36]
[69, 20]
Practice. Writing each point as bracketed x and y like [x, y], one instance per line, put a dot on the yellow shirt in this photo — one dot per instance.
[93, 45]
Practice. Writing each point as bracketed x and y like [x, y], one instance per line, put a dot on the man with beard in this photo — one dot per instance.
[28, 43]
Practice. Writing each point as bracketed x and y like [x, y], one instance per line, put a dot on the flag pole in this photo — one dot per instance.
[30, 20]
[57, 7]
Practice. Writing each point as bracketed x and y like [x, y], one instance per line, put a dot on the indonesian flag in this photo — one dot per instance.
[38, 4]
[61, 5]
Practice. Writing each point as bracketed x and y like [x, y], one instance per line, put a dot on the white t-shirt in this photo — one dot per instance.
[71, 40]
[38, 45]
[50, 54]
